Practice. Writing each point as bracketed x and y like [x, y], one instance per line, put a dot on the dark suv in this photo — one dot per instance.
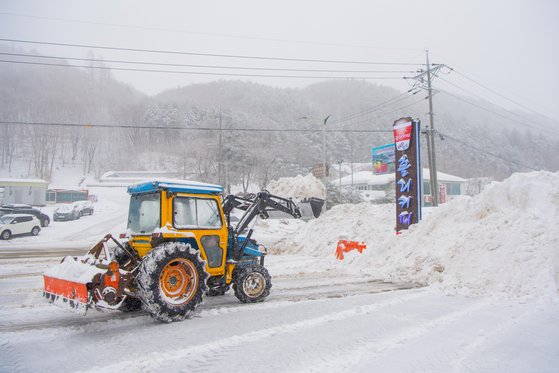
[25, 209]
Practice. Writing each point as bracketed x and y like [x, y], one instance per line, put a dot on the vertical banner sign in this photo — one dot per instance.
[408, 172]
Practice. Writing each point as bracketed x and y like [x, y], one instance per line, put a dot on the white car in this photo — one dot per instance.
[15, 224]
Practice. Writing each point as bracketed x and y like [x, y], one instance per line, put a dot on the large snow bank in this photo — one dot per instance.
[502, 241]
[298, 187]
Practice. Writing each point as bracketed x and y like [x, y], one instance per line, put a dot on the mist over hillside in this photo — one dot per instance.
[120, 135]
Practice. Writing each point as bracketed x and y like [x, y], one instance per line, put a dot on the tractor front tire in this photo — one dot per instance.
[172, 281]
[252, 283]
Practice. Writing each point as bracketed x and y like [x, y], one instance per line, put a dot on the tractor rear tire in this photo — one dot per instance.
[172, 281]
[252, 283]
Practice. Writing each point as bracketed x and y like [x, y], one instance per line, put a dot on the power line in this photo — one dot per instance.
[392, 111]
[498, 93]
[494, 112]
[179, 128]
[406, 106]
[207, 54]
[205, 33]
[507, 160]
[473, 94]
[201, 66]
[371, 110]
[201, 72]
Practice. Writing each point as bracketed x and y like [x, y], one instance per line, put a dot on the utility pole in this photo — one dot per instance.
[340, 177]
[423, 80]
[324, 160]
[433, 169]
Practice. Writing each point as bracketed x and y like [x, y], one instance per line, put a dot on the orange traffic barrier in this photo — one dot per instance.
[345, 246]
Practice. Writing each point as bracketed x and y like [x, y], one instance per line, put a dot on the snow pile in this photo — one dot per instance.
[503, 241]
[73, 270]
[373, 224]
[298, 187]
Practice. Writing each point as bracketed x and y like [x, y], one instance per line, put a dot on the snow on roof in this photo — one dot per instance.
[181, 185]
[367, 177]
[22, 181]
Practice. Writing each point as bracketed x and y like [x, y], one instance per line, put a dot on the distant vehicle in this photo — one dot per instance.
[16, 224]
[25, 209]
[86, 207]
[67, 212]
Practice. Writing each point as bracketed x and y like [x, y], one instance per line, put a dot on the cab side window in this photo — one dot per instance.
[202, 213]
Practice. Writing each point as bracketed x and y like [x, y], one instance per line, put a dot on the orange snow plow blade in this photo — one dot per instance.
[79, 283]
[345, 246]
[66, 293]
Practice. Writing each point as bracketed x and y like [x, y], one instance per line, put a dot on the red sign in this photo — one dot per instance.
[402, 134]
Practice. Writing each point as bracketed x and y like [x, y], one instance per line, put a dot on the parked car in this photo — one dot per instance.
[25, 209]
[86, 207]
[16, 224]
[67, 212]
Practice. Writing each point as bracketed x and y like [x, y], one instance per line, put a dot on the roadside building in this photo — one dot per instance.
[66, 195]
[23, 191]
[380, 188]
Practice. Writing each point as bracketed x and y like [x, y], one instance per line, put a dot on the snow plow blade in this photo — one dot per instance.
[66, 294]
[92, 280]
[69, 284]
[66, 284]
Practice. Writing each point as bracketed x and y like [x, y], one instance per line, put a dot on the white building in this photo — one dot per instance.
[23, 191]
[381, 187]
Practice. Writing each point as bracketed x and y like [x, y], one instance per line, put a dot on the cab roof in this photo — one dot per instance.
[173, 185]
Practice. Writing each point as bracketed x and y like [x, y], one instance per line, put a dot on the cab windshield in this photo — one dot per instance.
[144, 213]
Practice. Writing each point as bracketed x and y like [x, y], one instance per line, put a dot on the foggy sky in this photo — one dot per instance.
[510, 46]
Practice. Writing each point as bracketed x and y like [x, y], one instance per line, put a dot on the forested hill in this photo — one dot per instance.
[474, 139]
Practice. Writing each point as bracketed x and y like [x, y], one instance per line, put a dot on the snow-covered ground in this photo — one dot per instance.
[473, 288]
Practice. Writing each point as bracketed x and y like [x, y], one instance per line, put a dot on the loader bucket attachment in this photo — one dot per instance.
[311, 207]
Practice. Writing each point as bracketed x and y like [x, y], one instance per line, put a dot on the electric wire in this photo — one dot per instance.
[386, 112]
[205, 33]
[495, 112]
[375, 108]
[104, 47]
[474, 95]
[181, 128]
[497, 93]
[202, 72]
[201, 66]
[481, 150]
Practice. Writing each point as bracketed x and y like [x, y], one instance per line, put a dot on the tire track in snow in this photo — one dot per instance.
[220, 308]
[348, 358]
[208, 351]
[458, 364]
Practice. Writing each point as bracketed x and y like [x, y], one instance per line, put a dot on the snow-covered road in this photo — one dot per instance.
[314, 320]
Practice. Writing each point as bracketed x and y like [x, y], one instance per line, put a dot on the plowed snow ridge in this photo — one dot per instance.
[503, 241]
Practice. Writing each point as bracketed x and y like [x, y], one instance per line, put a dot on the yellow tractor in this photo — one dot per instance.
[180, 245]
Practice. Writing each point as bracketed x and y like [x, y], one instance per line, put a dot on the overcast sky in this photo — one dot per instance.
[510, 46]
